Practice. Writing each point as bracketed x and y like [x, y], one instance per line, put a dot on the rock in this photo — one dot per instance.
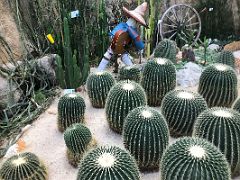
[234, 46]
[214, 47]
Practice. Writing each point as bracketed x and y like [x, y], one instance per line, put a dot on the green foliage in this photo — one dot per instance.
[193, 158]
[132, 73]
[23, 166]
[159, 77]
[236, 105]
[71, 109]
[226, 57]
[146, 136]
[105, 163]
[98, 86]
[122, 98]
[218, 85]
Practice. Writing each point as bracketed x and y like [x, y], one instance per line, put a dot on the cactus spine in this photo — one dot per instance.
[132, 73]
[226, 57]
[105, 163]
[146, 136]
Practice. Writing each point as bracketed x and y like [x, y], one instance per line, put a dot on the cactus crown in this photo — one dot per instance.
[132, 73]
[226, 57]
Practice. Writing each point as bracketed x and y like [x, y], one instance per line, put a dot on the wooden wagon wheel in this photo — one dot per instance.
[181, 23]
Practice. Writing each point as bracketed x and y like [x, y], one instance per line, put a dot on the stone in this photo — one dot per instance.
[214, 47]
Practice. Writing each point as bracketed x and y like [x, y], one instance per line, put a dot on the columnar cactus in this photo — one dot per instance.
[218, 85]
[146, 136]
[130, 72]
[98, 86]
[226, 57]
[193, 159]
[159, 77]
[221, 126]
[181, 108]
[78, 140]
[236, 105]
[105, 163]
[23, 166]
[122, 98]
[71, 109]
[166, 49]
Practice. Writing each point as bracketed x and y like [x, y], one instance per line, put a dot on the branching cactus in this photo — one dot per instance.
[218, 85]
[98, 86]
[159, 77]
[25, 166]
[122, 98]
[71, 109]
[221, 126]
[146, 136]
[105, 163]
[166, 49]
[226, 57]
[181, 108]
[236, 105]
[78, 140]
[194, 158]
[130, 72]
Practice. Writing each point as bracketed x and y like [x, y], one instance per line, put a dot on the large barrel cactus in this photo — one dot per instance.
[98, 86]
[146, 136]
[105, 163]
[25, 166]
[71, 109]
[78, 140]
[226, 57]
[122, 98]
[132, 73]
[221, 126]
[218, 85]
[194, 159]
[166, 49]
[236, 105]
[181, 108]
[159, 77]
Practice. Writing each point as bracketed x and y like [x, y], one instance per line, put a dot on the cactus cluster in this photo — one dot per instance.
[226, 57]
[159, 77]
[71, 109]
[194, 159]
[23, 166]
[236, 105]
[146, 136]
[132, 73]
[181, 108]
[98, 86]
[218, 85]
[122, 98]
[105, 163]
[166, 49]
[78, 140]
[221, 126]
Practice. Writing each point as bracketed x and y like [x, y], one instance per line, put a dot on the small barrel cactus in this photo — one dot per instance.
[181, 108]
[23, 166]
[132, 73]
[166, 49]
[159, 77]
[218, 85]
[221, 126]
[146, 136]
[78, 140]
[122, 98]
[226, 57]
[71, 109]
[98, 86]
[194, 159]
[236, 105]
[105, 163]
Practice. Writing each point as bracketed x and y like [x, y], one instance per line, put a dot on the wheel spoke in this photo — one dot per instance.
[193, 24]
[170, 31]
[173, 35]
[175, 15]
[194, 15]
[171, 20]
[169, 25]
[186, 15]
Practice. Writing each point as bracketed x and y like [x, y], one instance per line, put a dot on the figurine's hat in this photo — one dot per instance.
[138, 13]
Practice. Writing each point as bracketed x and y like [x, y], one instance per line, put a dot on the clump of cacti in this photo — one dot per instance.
[130, 72]
[159, 77]
[78, 140]
[166, 49]
[226, 57]
[122, 98]
[181, 108]
[221, 126]
[23, 166]
[105, 163]
[236, 105]
[194, 158]
[218, 85]
[71, 109]
[98, 86]
[146, 136]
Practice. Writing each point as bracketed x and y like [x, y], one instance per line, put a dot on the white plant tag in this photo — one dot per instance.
[75, 14]
[68, 91]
